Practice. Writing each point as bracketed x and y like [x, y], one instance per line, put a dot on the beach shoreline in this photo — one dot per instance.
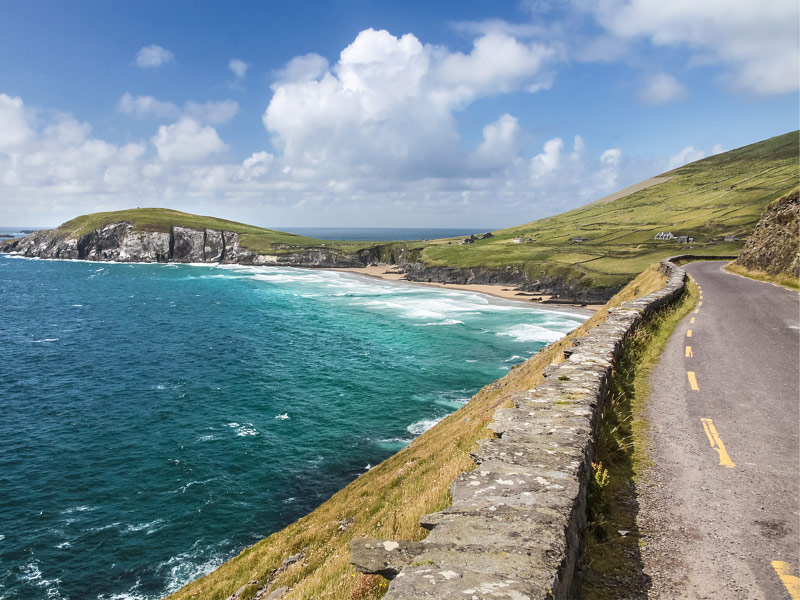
[391, 273]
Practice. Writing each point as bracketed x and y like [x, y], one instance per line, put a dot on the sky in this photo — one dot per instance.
[467, 113]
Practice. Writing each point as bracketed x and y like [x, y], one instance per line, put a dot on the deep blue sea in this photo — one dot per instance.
[156, 419]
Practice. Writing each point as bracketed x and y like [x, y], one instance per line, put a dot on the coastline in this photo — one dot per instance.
[389, 273]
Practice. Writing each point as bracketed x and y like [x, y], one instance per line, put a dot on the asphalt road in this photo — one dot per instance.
[722, 516]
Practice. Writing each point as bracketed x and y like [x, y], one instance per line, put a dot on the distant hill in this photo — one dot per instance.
[723, 195]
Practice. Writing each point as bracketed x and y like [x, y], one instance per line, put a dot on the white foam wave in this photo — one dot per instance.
[513, 358]
[32, 574]
[422, 426]
[151, 527]
[282, 417]
[527, 332]
[81, 508]
[445, 322]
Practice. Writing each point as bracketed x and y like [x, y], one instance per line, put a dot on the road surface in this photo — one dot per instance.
[721, 518]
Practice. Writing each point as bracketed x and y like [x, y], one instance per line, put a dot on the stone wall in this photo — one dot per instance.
[516, 525]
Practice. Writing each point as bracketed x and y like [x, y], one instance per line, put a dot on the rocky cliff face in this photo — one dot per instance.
[121, 243]
[774, 246]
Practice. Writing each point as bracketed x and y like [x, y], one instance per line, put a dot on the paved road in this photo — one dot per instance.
[723, 518]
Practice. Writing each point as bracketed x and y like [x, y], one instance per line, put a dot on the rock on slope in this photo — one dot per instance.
[774, 246]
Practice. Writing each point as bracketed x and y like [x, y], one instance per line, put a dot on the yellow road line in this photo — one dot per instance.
[689, 352]
[692, 378]
[691, 320]
[716, 443]
[689, 333]
[791, 582]
[700, 303]
[697, 310]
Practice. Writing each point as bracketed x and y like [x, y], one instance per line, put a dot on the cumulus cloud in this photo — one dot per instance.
[187, 141]
[238, 68]
[757, 41]
[153, 56]
[691, 154]
[387, 106]
[146, 106]
[500, 146]
[574, 178]
[149, 107]
[662, 88]
[14, 129]
[213, 112]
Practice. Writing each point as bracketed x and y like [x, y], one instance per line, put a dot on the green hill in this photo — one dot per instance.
[255, 238]
[708, 199]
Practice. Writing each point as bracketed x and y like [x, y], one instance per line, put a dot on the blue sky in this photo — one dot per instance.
[352, 113]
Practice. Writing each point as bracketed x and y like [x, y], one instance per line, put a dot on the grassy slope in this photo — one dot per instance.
[387, 501]
[707, 199]
[161, 219]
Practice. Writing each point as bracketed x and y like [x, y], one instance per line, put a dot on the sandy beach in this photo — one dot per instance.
[390, 273]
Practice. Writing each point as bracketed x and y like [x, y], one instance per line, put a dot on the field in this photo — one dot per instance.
[707, 200]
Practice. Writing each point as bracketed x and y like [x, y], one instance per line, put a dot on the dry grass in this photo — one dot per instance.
[784, 280]
[387, 501]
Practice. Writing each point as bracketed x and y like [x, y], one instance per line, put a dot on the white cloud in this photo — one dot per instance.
[662, 88]
[238, 68]
[153, 56]
[213, 112]
[687, 155]
[303, 68]
[501, 144]
[207, 112]
[386, 107]
[691, 154]
[756, 40]
[147, 106]
[187, 141]
[546, 163]
[14, 129]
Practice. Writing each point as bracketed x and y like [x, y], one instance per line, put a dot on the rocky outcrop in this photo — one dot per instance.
[561, 290]
[516, 525]
[121, 242]
[774, 246]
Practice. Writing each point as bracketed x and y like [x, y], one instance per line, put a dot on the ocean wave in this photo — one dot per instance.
[188, 566]
[282, 417]
[422, 426]
[150, 527]
[30, 573]
[445, 322]
[527, 332]
[78, 509]
[513, 358]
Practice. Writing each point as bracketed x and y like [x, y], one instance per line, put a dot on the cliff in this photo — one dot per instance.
[774, 246]
[122, 242]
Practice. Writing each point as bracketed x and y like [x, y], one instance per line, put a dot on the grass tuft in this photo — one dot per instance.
[613, 569]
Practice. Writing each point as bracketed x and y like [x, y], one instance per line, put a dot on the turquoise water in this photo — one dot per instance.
[156, 419]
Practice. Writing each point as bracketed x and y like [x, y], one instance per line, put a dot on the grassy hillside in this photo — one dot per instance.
[708, 199]
[161, 219]
[387, 501]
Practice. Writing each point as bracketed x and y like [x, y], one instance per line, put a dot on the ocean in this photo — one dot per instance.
[157, 419]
